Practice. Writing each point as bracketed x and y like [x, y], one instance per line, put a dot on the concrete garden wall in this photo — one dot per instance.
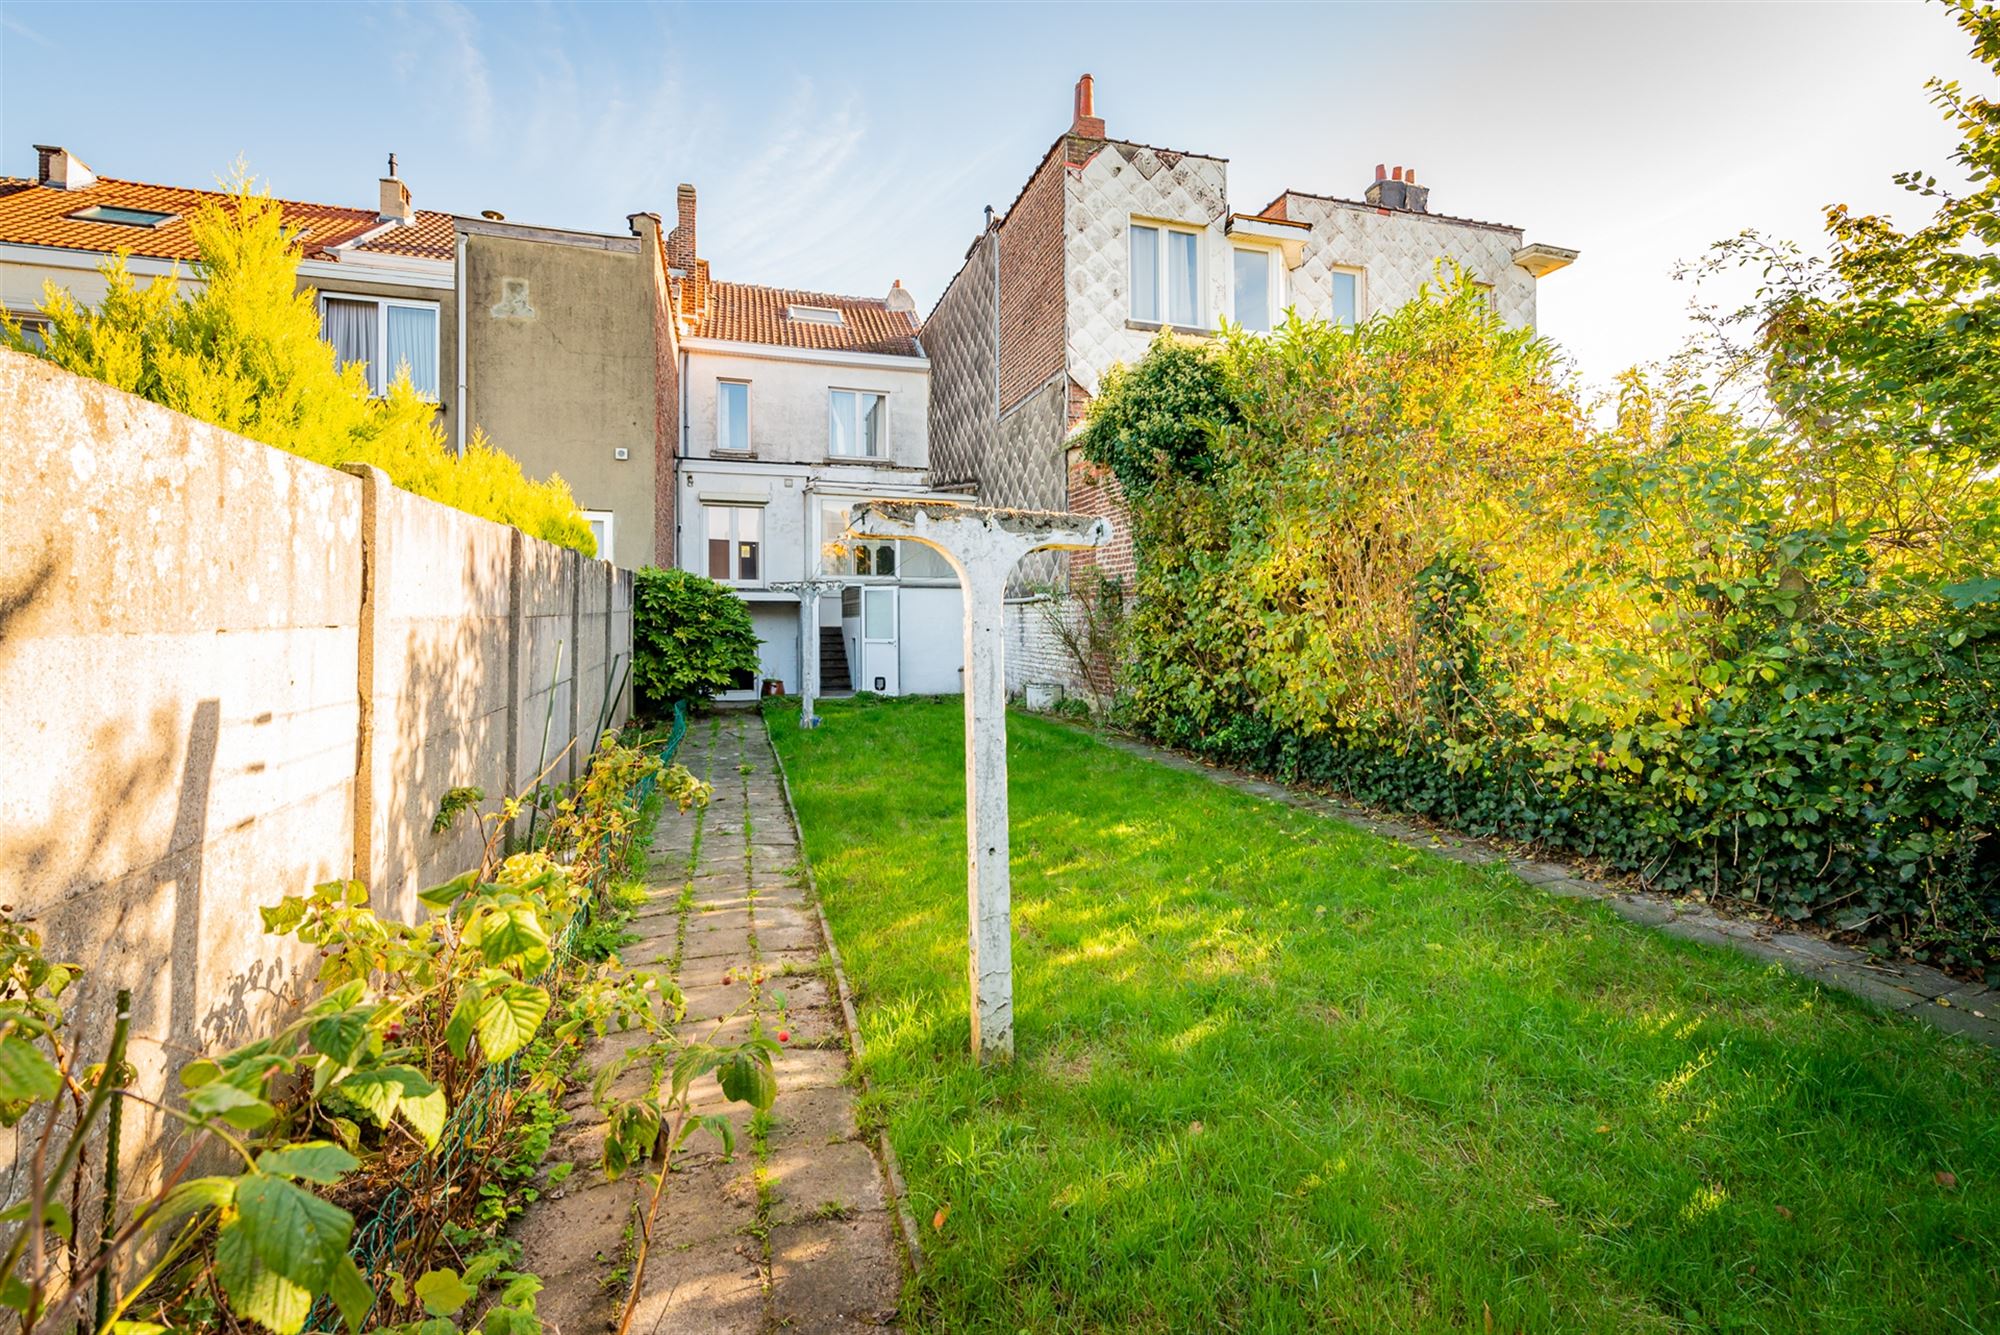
[228, 674]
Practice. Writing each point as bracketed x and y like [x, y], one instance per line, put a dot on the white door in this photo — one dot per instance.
[878, 640]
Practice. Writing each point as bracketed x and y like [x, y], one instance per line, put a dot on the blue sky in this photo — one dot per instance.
[843, 146]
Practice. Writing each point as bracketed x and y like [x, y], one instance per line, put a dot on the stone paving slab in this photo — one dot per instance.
[791, 1232]
[1929, 995]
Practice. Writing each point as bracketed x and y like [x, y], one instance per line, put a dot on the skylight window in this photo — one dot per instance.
[814, 314]
[111, 213]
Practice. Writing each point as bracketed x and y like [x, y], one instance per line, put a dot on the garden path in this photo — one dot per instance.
[794, 1232]
[1926, 994]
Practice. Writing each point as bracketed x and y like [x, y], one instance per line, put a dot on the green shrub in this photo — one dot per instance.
[692, 637]
[1729, 661]
[244, 352]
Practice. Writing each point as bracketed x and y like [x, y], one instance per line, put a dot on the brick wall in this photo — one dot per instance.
[1031, 285]
[666, 400]
[1094, 490]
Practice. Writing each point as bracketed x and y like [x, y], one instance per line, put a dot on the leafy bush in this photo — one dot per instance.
[692, 637]
[357, 1090]
[245, 353]
[1731, 661]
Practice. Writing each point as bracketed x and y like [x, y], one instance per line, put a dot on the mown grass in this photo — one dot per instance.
[1276, 1074]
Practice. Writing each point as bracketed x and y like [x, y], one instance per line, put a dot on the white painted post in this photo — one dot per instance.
[809, 591]
[983, 545]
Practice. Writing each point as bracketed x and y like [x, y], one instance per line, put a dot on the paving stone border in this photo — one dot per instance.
[1969, 1010]
[892, 1168]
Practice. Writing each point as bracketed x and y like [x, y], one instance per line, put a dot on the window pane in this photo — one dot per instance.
[921, 562]
[749, 544]
[717, 519]
[834, 557]
[1253, 289]
[732, 408]
[1345, 286]
[878, 607]
[840, 423]
[1181, 274]
[746, 560]
[885, 559]
[1145, 273]
[873, 411]
[413, 342]
[350, 327]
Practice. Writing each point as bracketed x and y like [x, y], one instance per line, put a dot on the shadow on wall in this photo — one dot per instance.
[443, 725]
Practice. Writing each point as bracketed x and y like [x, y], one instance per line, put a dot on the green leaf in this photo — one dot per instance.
[283, 916]
[745, 1076]
[339, 1037]
[138, 1328]
[201, 1071]
[318, 1161]
[350, 1293]
[442, 897]
[511, 936]
[1973, 592]
[509, 1018]
[25, 1073]
[520, 1288]
[295, 1233]
[426, 1114]
[192, 1197]
[255, 1291]
[380, 1092]
[442, 1292]
[240, 1109]
[459, 1030]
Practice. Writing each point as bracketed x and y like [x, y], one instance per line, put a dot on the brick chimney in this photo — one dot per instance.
[680, 242]
[395, 198]
[1398, 190]
[690, 271]
[62, 169]
[1087, 124]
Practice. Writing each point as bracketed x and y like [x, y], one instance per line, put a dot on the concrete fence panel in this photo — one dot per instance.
[229, 675]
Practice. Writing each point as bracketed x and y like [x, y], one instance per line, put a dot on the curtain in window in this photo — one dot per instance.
[1182, 298]
[840, 423]
[413, 342]
[1343, 299]
[1145, 273]
[873, 410]
[350, 327]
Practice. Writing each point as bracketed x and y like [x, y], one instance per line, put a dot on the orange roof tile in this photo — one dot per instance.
[745, 313]
[37, 215]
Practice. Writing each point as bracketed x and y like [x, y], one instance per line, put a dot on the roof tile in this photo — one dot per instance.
[37, 215]
[746, 313]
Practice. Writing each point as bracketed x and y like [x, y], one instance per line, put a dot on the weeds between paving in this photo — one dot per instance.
[1277, 1074]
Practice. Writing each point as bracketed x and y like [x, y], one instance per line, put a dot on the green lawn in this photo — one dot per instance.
[1276, 1074]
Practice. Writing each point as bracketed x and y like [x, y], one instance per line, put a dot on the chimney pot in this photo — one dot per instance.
[1381, 172]
[1087, 124]
[1396, 175]
[1409, 176]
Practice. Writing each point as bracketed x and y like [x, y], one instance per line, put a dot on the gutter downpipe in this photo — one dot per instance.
[459, 295]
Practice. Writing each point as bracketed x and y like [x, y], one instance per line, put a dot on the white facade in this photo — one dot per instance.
[1389, 255]
[775, 453]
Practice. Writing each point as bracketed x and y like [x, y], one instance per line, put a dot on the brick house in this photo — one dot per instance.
[1110, 241]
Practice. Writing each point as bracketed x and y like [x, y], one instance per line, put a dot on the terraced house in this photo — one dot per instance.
[1110, 241]
[723, 427]
[557, 344]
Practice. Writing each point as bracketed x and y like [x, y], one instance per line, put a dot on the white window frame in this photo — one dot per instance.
[1273, 282]
[883, 447]
[608, 519]
[378, 374]
[1165, 228]
[1360, 291]
[736, 510]
[749, 419]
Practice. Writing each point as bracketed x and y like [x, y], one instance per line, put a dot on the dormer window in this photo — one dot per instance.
[814, 314]
[111, 213]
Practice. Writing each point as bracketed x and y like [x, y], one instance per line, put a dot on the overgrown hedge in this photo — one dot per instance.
[692, 637]
[1398, 562]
